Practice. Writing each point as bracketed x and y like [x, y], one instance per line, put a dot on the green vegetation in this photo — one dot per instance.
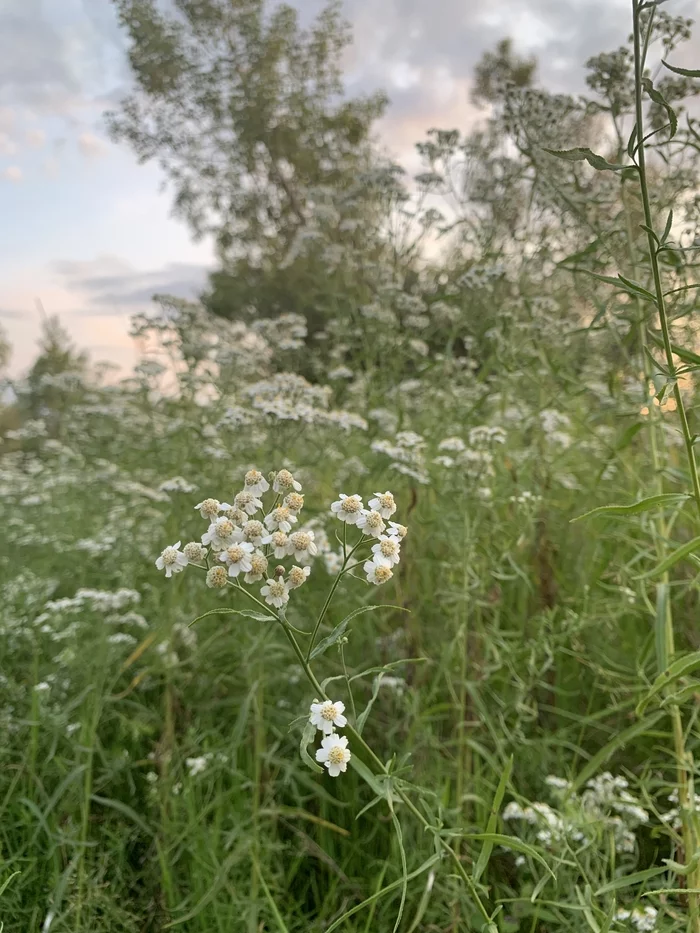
[507, 343]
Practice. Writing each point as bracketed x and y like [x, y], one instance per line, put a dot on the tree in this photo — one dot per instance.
[245, 112]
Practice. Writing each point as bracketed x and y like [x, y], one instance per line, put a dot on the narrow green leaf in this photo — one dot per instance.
[622, 738]
[511, 842]
[340, 628]
[125, 811]
[376, 782]
[627, 880]
[634, 508]
[583, 154]
[248, 613]
[487, 847]
[7, 881]
[667, 228]
[362, 718]
[685, 72]
[686, 355]
[682, 696]
[683, 551]
[680, 668]
[270, 900]
[307, 738]
[659, 99]
[625, 285]
[632, 142]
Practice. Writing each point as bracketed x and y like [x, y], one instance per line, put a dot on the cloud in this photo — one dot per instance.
[51, 167]
[7, 145]
[36, 138]
[110, 286]
[91, 146]
[13, 173]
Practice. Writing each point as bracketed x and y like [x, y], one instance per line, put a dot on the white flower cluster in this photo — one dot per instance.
[372, 522]
[334, 752]
[244, 543]
[642, 919]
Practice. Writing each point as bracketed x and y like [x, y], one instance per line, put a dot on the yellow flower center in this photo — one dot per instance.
[383, 574]
[210, 506]
[285, 479]
[169, 555]
[224, 529]
[351, 504]
[258, 563]
[301, 540]
[235, 554]
[294, 501]
[328, 712]
[253, 529]
[277, 588]
[253, 477]
[336, 755]
[386, 501]
[388, 548]
[374, 520]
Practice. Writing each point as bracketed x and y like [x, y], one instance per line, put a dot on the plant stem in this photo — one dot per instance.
[686, 805]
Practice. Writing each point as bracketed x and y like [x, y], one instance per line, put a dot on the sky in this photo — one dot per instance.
[87, 233]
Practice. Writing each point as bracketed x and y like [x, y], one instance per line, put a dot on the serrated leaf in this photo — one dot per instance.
[683, 551]
[685, 72]
[628, 880]
[583, 154]
[659, 99]
[612, 746]
[680, 668]
[634, 508]
[487, 847]
[511, 842]
[248, 613]
[307, 738]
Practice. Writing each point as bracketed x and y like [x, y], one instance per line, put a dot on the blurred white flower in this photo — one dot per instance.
[276, 593]
[371, 523]
[387, 550]
[383, 503]
[256, 483]
[172, 560]
[377, 573]
[285, 482]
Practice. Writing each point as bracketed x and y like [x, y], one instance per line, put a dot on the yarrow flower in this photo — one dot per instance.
[334, 754]
[210, 508]
[217, 578]
[280, 519]
[220, 534]
[396, 530]
[302, 545]
[327, 715]
[383, 503]
[377, 573]
[387, 550]
[294, 502]
[172, 560]
[247, 502]
[194, 551]
[276, 593]
[279, 542]
[285, 482]
[256, 483]
[252, 531]
[297, 576]
[347, 508]
[371, 523]
[258, 568]
[237, 558]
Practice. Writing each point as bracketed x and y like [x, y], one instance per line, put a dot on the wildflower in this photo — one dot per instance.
[197, 765]
[387, 551]
[285, 482]
[172, 560]
[327, 715]
[210, 508]
[220, 534]
[294, 502]
[279, 542]
[280, 519]
[334, 754]
[194, 551]
[302, 545]
[256, 483]
[347, 508]
[333, 561]
[276, 593]
[237, 516]
[371, 523]
[217, 578]
[455, 444]
[252, 531]
[383, 503]
[237, 557]
[377, 573]
[397, 531]
[247, 502]
[297, 576]
[643, 918]
[258, 568]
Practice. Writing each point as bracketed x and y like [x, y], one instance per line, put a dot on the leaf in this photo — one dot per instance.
[685, 72]
[625, 285]
[628, 880]
[248, 613]
[374, 781]
[511, 842]
[631, 143]
[622, 738]
[667, 228]
[433, 860]
[7, 881]
[686, 355]
[679, 668]
[270, 899]
[659, 99]
[307, 738]
[634, 508]
[487, 847]
[582, 154]
[683, 551]
[362, 718]
[682, 696]
[339, 630]
[125, 811]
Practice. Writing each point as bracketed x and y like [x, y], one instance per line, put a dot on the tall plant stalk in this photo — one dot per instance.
[682, 756]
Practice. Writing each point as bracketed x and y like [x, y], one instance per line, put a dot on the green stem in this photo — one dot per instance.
[346, 557]
[686, 804]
